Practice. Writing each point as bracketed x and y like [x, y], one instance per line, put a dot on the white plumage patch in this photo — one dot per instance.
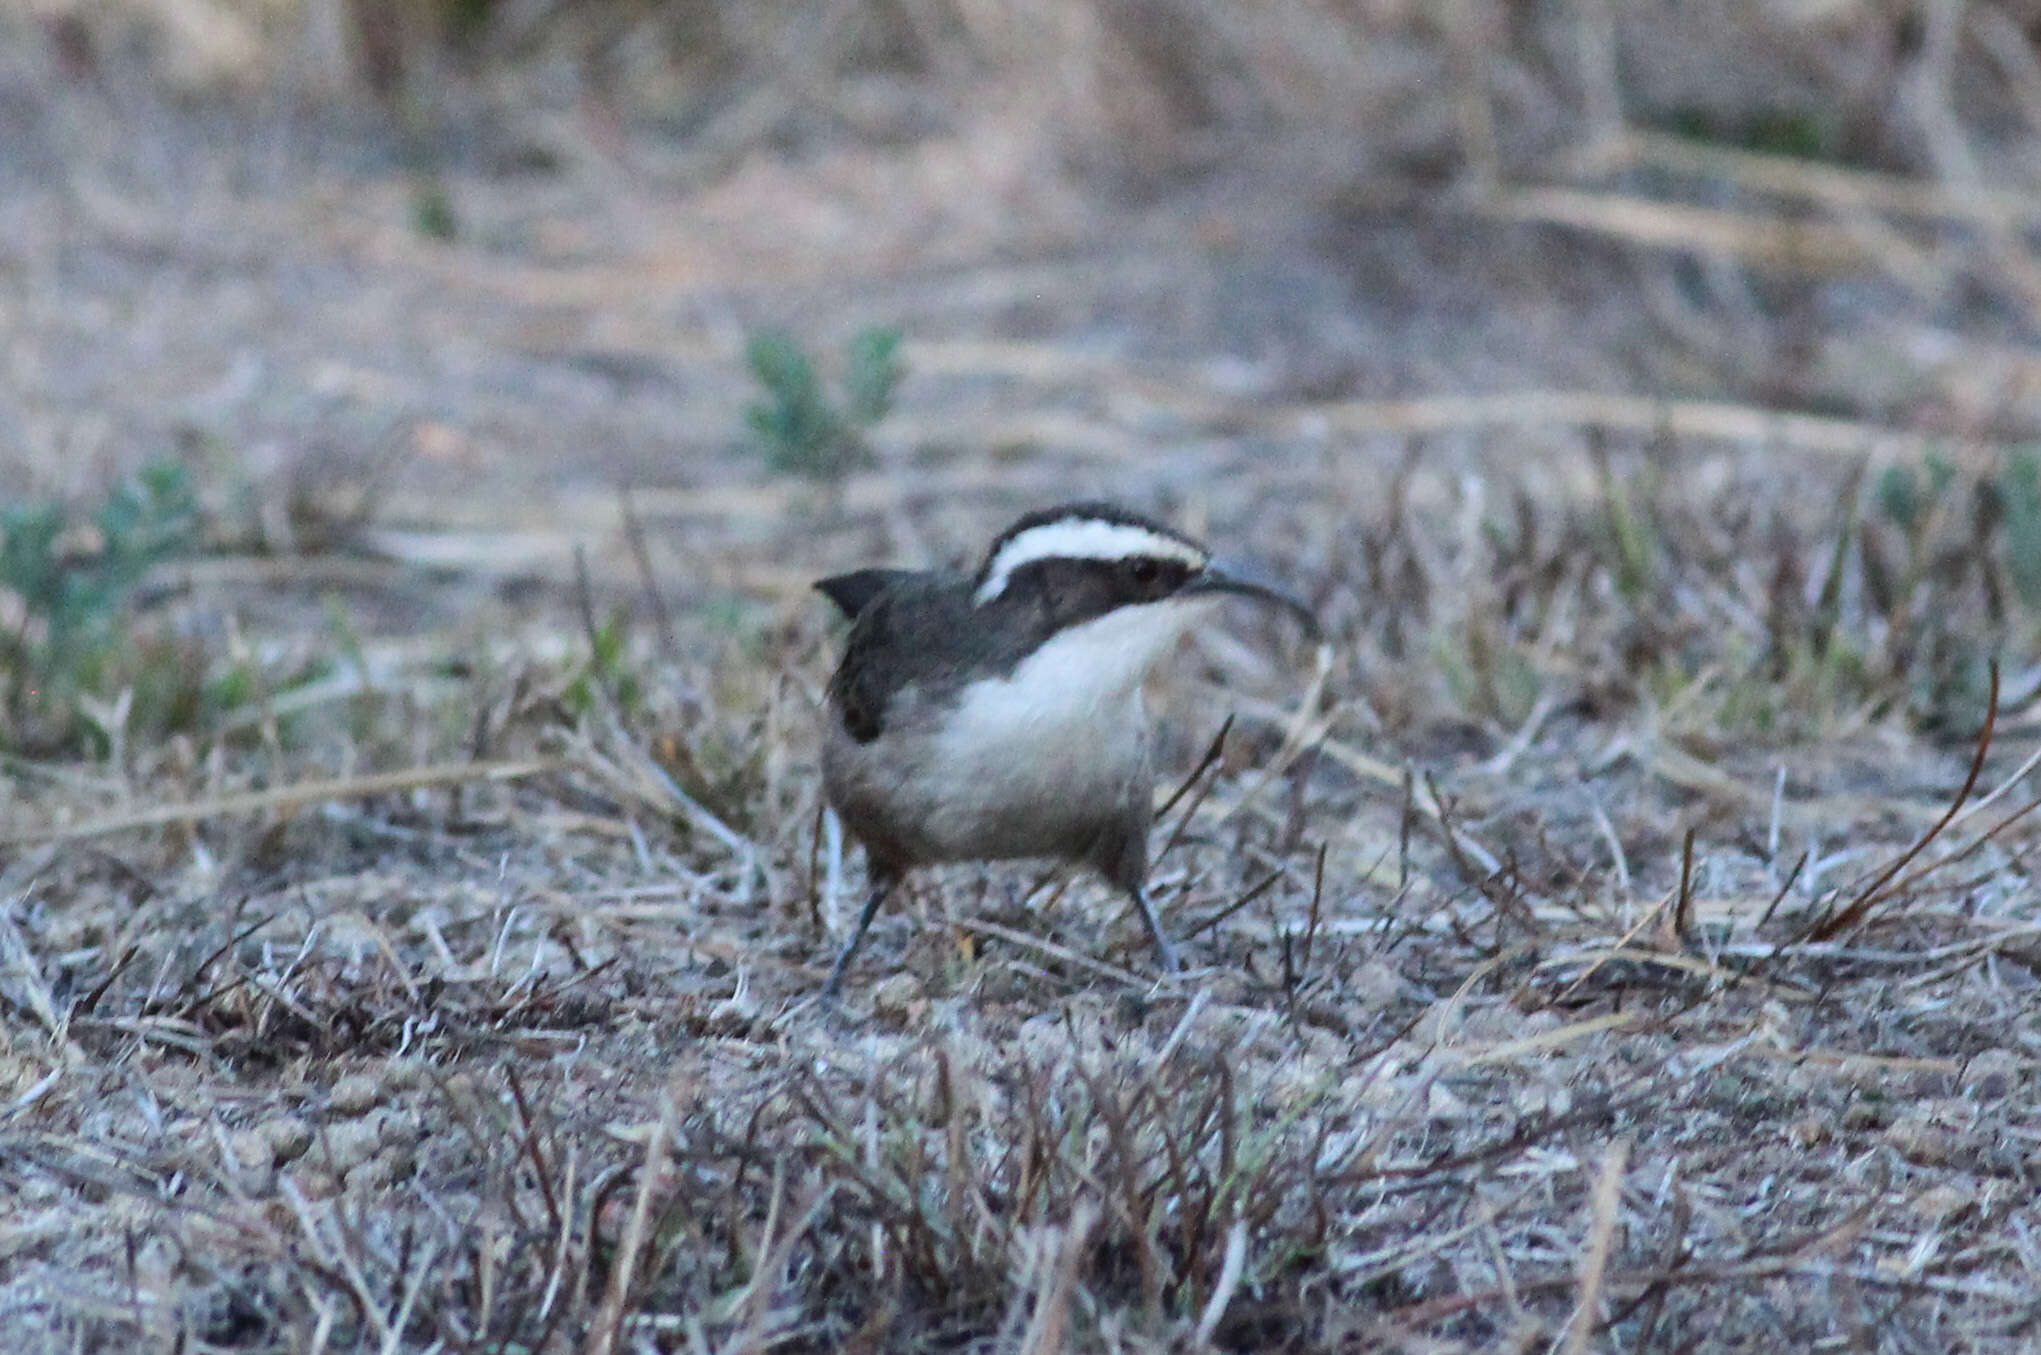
[1068, 694]
[1081, 539]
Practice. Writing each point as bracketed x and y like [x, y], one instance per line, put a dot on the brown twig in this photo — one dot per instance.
[1682, 913]
[1867, 897]
[634, 534]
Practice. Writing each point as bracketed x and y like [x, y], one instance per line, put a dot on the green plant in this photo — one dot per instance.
[432, 211]
[609, 671]
[66, 588]
[802, 430]
[2018, 491]
[1797, 133]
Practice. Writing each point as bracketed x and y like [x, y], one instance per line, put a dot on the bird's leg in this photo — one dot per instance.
[1165, 950]
[1121, 855]
[882, 885]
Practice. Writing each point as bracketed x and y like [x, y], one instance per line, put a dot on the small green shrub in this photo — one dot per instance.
[67, 583]
[432, 211]
[800, 428]
[2018, 491]
[872, 370]
[1797, 133]
[610, 669]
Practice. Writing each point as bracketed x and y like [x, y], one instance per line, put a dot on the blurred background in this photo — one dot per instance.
[531, 238]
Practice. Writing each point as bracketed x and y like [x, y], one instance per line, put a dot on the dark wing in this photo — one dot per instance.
[865, 678]
[907, 633]
[853, 592]
[862, 680]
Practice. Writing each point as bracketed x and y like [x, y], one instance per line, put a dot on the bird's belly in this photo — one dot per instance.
[994, 780]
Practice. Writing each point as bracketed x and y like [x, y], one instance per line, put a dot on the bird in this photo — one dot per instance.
[997, 714]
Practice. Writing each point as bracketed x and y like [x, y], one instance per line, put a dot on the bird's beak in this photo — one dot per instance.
[1246, 581]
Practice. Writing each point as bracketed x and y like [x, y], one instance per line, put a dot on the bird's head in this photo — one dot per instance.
[1127, 584]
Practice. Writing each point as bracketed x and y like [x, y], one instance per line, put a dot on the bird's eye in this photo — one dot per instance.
[1144, 572]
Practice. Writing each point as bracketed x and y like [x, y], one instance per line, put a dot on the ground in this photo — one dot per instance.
[1617, 936]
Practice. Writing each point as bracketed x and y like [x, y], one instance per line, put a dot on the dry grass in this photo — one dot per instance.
[1547, 1046]
[1622, 936]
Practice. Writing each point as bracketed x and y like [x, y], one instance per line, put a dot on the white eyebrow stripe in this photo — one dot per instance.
[1081, 539]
